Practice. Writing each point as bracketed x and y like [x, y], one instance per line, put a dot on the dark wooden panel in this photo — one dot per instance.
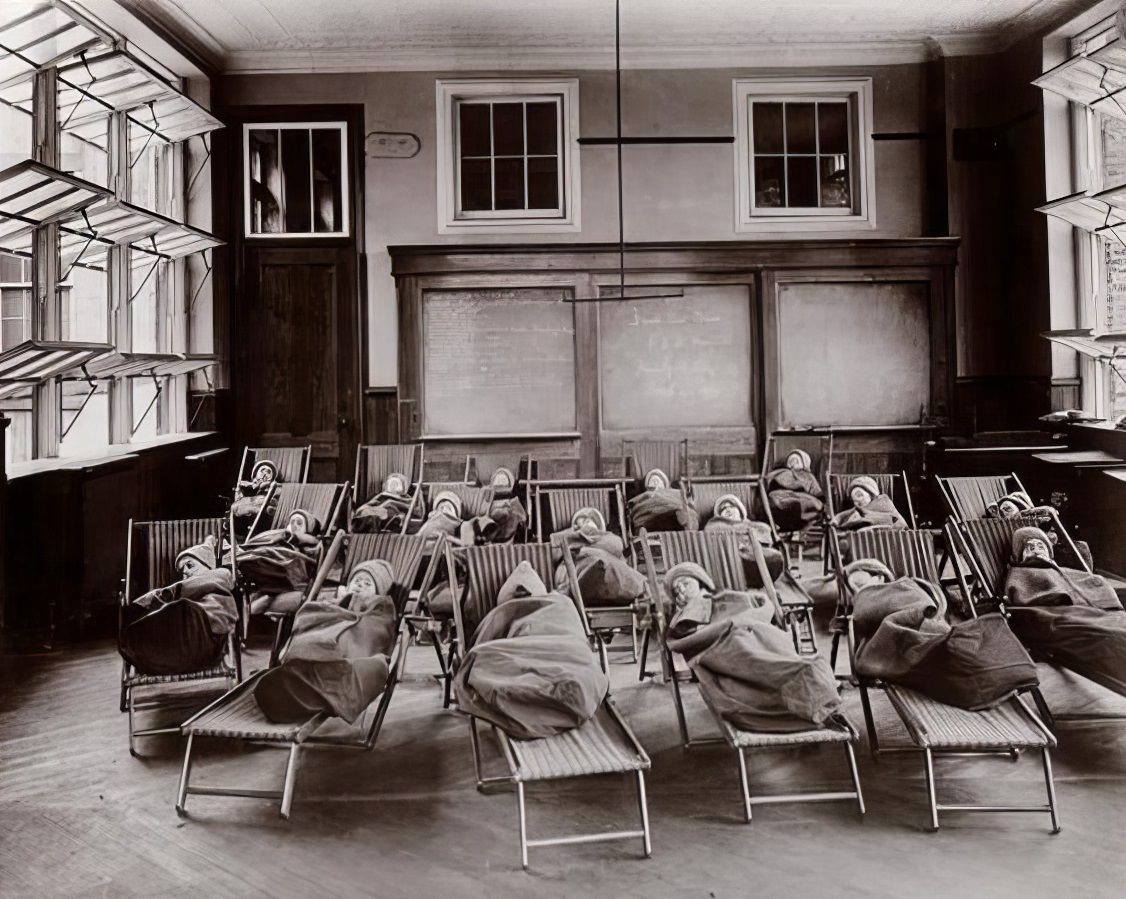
[381, 416]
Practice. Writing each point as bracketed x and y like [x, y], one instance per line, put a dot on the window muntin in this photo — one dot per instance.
[295, 179]
[15, 300]
[509, 157]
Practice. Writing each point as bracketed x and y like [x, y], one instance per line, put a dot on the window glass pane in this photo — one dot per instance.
[508, 129]
[265, 182]
[15, 136]
[150, 170]
[770, 181]
[476, 184]
[509, 183]
[15, 313]
[543, 182]
[543, 128]
[144, 392]
[801, 136]
[17, 409]
[327, 181]
[801, 174]
[767, 124]
[89, 429]
[85, 297]
[84, 158]
[145, 277]
[475, 129]
[296, 184]
[832, 124]
[836, 190]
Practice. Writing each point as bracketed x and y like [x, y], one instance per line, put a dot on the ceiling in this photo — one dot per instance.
[357, 35]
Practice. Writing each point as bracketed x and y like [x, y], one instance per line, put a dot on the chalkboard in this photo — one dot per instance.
[498, 362]
[854, 353]
[677, 362]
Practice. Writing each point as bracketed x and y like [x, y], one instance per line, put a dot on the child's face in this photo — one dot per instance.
[502, 479]
[446, 507]
[297, 525]
[1035, 548]
[262, 475]
[730, 512]
[361, 584]
[686, 588]
[794, 462]
[1008, 509]
[587, 526]
[860, 497]
[190, 567]
[656, 481]
[395, 486]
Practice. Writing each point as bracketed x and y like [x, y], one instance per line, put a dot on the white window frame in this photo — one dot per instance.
[447, 95]
[858, 92]
[345, 185]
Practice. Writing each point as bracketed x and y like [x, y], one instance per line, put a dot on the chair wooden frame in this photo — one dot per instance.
[163, 541]
[820, 449]
[981, 549]
[292, 462]
[836, 500]
[604, 745]
[236, 716]
[970, 497]
[479, 470]
[934, 727]
[475, 500]
[718, 555]
[558, 505]
[375, 461]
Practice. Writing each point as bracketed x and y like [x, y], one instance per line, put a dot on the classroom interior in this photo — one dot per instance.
[521, 256]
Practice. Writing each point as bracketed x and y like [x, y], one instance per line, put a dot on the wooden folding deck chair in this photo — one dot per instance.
[556, 507]
[474, 500]
[480, 468]
[718, 555]
[374, 462]
[639, 457]
[778, 447]
[292, 462]
[970, 497]
[603, 745]
[893, 485]
[702, 494]
[982, 548]
[236, 716]
[934, 727]
[150, 562]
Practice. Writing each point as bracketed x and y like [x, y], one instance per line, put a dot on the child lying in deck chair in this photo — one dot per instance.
[182, 628]
[605, 577]
[795, 497]
[1072, 617]
[447, 517]
[661, 508]
[278, 563]
[1018, 504]
[870, 508]
[250, 496]
[338, 655]
[387, 510]
[530, 670]
[903, 637]
[729, 514]
[746, 665]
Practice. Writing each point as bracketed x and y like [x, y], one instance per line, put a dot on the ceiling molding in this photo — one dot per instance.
[767, 55]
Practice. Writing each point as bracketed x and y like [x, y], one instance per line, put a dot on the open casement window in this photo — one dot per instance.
[295, 179]
[16, 135]
[15, 300]
[85, 418]
[507, 154]
[803, 156]
[42, 35]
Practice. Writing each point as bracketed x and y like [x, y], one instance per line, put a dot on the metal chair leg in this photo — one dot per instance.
[870, 724]
[523, 825]
[643, 803]
[855, 776]
[275, 650]
[129, 709]
[1048, 782]
[928, 763]
[290, 779]
[745, 784]
[185, 773]
[644, 655]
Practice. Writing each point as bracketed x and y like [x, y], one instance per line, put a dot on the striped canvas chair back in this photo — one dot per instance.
[153, 547]
[906, 552]
[374, 462]
[703, 494]
[779, 446]
[292, 461]
[323, 500]
[893, 485]
[642, 456]
[970, 497]
[990, 543]
[717, 554]
[486, 570]
[474, 500]
[403, 553]
[564, 502]
[480, 467]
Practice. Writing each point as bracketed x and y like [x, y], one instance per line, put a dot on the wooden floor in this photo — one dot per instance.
[80, 817]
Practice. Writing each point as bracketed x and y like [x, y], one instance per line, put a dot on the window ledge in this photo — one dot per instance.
[113, 453]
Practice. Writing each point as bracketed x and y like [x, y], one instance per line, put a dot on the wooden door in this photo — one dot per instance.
[294, 353]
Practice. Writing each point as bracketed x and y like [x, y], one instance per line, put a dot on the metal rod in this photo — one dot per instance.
[637, 141]
[994, 808]
[780, 798]
[609, 836]
[618, 145]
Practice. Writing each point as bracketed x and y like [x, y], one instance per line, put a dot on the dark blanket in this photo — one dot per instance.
[1070, 617]
[336, 662]
[531, 671]
[509, 517]
[385, 513]
[748, 669]
[745, 532]
[795, 498]
[902, 637]
[605, 577]
[245, 509]
[663, 510]
[880, 512]
[181, 628]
